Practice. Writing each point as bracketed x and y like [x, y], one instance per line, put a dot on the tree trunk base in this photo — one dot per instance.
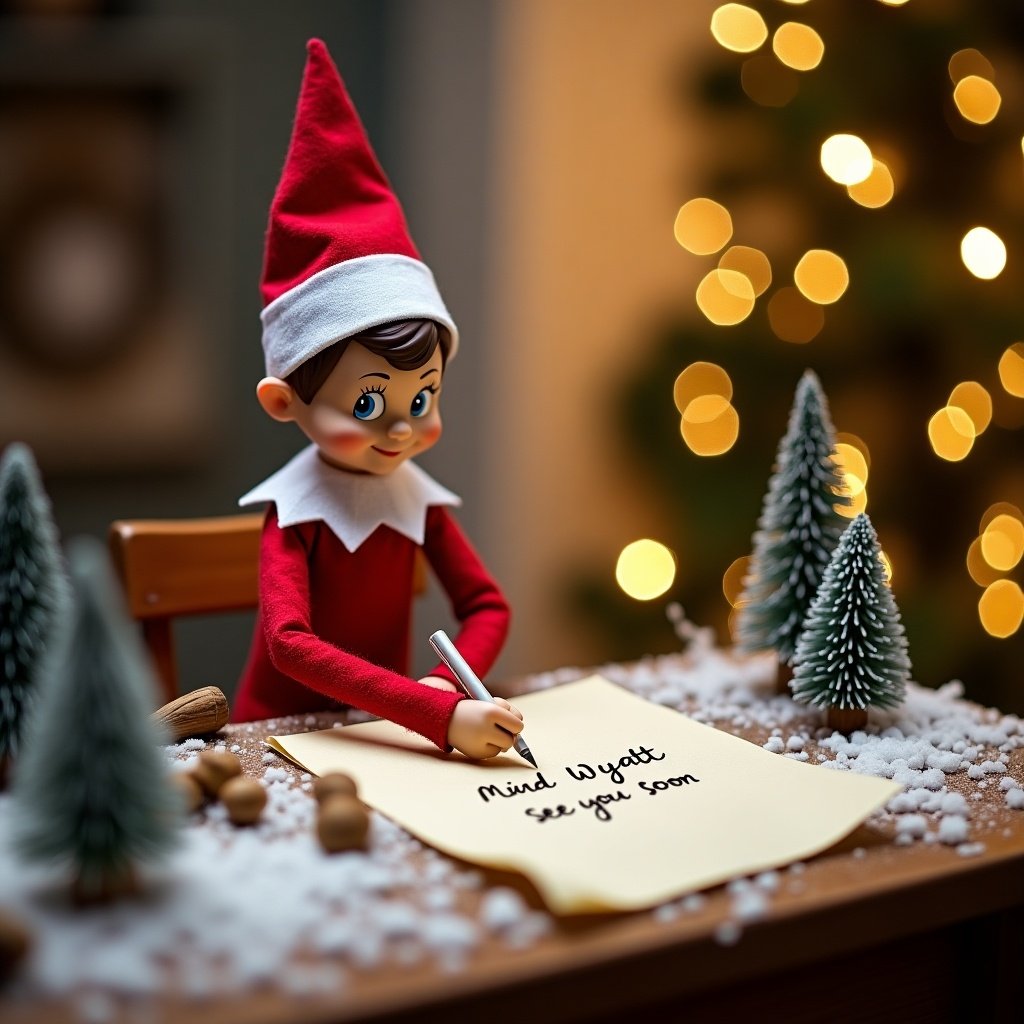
[783, 676]
[112, 886]
[847, 720]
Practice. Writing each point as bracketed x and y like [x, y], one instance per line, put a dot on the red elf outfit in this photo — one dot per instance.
[338, 548]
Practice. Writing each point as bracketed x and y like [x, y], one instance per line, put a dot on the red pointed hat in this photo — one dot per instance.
[338, 256]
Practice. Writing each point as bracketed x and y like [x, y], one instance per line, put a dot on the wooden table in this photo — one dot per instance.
[868, 931]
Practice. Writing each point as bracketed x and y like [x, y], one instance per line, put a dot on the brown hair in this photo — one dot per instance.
[405, 344]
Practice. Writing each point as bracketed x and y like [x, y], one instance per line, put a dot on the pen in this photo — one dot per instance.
[469, 681]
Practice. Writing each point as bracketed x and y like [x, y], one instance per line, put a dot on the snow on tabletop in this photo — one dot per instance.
[235, 909]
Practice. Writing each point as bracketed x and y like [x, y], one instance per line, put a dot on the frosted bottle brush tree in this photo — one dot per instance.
[797, 532]
[92, 790]
[852, 653]
[31, 591]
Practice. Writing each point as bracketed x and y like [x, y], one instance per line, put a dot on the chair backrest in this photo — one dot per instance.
[175, 567]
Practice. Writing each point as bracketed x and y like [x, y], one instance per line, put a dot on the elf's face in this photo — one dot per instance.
[368, 416]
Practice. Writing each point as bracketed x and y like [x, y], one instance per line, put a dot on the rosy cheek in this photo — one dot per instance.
[347, 440]
[431, 432]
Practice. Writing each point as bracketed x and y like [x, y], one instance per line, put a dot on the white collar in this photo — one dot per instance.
[352, 505]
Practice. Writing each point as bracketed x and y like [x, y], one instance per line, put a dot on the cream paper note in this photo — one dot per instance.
[634, 803]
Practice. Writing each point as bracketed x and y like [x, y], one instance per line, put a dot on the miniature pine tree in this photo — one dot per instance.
[92, 787]
[852, 653]
[797, 532]
[32, 588]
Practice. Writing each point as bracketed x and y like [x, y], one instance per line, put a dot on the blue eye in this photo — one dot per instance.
[369, 405]
[422, 403]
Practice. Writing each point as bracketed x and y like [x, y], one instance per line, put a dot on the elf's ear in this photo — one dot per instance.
[277, 398]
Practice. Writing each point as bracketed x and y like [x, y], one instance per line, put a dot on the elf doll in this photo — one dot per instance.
[356, 339]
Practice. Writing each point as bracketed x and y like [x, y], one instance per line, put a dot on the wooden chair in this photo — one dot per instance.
[175, 567]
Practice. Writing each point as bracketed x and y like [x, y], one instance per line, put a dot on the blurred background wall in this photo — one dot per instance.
[542, 151]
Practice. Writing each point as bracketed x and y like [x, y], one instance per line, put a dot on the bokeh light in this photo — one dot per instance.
[852, 466]
[1011, 370]
[1001, 608]
[699, 379]
[703, 226]
[1002, 543]
[821, 276]
[951, 433]
[768, 82]
[970, 62]
[645, 569]
[793, 317]
[725, 297]
[876, 189]
[710, 425]
[975, 401]
[983, 253]
[750, 262]
[846, 159]
[977, 99]
[732, 579]
[999, 508]
[858, 503]
[980, 571]
[798, 46]
[845, 437]
[886, 566]
[738, 28]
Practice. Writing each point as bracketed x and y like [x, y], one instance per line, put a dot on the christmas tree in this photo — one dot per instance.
[798, 529]
[92, 787]
[914, 334]
[852, 653]
[32, 587]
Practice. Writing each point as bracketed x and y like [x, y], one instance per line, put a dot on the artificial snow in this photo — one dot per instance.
[237, 908]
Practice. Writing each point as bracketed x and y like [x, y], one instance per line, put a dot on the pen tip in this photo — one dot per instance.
[529, 757]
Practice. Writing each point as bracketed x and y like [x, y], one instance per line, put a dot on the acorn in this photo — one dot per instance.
[192, 794]
[244, 800]
[214, 769]
[334, 784]
[342, 824]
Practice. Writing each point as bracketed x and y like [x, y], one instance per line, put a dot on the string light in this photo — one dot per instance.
[821, 276]
[798, 46]
[1001, 608]
[951, 433]
[852, 465]
[750, 262]
[980, 571]
[794, 318]
[1011, 370]
[733, 578]
[725, 297]
[710, 425]
[876, 189]
[970, 62]
[846, 159]
[999, 508]
[977, 99]
[1002, 543]
[975, 401]
[858, 443]
[858, 504]
[645, 569]
[699, 379]
[738, 28]
[703, 226]
[886, 566]
[983, 253]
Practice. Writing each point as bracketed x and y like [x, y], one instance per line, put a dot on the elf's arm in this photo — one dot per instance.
[297, 652]
[477, 603]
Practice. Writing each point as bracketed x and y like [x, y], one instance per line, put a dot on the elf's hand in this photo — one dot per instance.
[484, 728]
[439, 683]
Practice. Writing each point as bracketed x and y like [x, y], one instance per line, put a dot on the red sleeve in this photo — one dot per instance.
[298, 653]
[477, 603]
